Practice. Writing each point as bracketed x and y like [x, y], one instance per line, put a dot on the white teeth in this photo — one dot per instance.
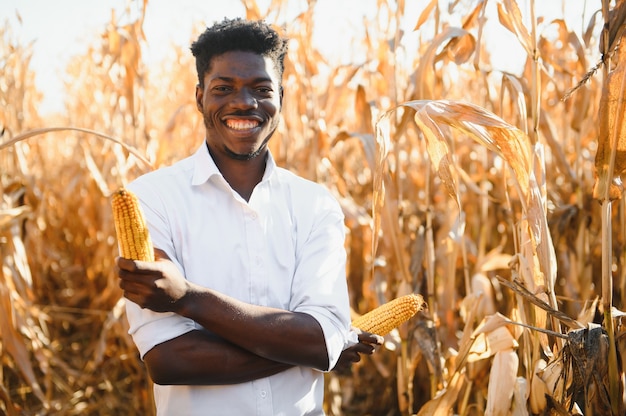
[241, 124]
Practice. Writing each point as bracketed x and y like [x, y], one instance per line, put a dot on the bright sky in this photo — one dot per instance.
[60, 29]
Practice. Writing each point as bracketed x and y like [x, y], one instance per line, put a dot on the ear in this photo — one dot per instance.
[199, 97]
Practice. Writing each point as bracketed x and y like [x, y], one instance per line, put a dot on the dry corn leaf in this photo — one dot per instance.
[491, 323]
[364, 110]
[589, 32]
[113, 36]
[36, 132]
[92, 167]
[520, 397]
[10, 215]
[383, 145]
[540, 301]
[587, 352]
[14, 344]
[511, 18]
[479, 124]
[538, 388]
[253, 12]
[556, 146]
[587, 314]
[460, 49]
[515, 88]
[24, 282]
[439, 153]
[494, 260]
[425, 14]
[502, 378]
[424, 73]
[490, 343]
[445, 400]
[612, 136]
[473, 19]
[308, 122]
[508, 142]
[553, 375]
[616, 25]
[480, 349]
[483, 292]
[5, 398]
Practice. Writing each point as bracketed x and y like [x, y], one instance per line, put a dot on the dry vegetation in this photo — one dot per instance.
[478, 189]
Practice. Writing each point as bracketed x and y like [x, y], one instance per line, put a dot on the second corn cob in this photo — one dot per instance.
[388, 316]
[133, 238]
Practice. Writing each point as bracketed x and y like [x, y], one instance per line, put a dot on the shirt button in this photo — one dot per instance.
[263, 394]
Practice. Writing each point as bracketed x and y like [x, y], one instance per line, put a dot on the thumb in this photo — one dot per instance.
[160, 254]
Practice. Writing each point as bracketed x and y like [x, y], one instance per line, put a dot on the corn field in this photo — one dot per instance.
[496, 196]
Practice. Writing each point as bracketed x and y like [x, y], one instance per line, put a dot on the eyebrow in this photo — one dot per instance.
[231, 79]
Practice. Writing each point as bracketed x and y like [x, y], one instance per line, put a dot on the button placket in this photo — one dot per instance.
[256, 248]
[264, 397]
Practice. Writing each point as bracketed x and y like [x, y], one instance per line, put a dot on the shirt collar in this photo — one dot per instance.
[204, 166]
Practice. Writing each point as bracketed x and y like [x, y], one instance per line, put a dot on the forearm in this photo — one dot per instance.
[277, 335]
[200, 358]
[283, 336]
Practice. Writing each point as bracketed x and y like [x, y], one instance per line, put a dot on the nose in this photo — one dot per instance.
[244, 99]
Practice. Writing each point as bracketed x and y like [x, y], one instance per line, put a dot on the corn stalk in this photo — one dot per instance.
[610, 164]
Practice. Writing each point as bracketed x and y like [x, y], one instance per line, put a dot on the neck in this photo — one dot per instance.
[241, 175]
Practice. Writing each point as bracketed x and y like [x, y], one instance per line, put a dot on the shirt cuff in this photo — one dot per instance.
[149, 328]
[336, 338]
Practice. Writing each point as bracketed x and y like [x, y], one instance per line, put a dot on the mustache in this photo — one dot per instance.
[243, 113]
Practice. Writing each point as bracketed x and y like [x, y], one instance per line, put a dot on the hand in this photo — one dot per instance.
[157, 285]
[367, 344]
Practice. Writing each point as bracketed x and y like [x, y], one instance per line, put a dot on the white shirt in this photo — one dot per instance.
[284, 249]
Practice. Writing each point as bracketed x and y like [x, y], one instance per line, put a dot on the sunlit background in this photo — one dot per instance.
[62, 28]
[453, 152]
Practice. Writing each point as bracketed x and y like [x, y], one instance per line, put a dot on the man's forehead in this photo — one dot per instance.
[242, 63]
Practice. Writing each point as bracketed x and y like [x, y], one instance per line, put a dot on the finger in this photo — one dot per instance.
[364, 349]
[160, 254]
[352, 356]
[125, 264]
[133, 287]
[361, 349]
[134, 265]
[134, 298]
[370, 338]
[134, 269]
[343, 367]
[130, 276]
[137, 293]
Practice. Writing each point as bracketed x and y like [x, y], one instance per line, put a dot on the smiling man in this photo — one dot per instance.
[247, 305]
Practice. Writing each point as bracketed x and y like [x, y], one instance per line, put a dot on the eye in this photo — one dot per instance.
[221, 88]
[265, 91]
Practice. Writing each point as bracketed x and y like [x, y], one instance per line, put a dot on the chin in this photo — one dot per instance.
[244, 156]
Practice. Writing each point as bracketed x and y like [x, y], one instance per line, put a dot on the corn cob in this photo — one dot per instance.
[133, 238]
[386, 317]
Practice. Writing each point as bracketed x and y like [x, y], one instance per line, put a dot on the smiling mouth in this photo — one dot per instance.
[242, 124]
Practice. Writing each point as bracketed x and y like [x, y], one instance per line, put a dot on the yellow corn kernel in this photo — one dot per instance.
[388, 316]
[133, 238]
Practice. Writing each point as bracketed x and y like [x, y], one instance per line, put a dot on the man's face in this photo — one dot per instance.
[240, 103]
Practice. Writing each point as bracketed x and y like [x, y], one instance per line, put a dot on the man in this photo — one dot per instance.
[247, 304]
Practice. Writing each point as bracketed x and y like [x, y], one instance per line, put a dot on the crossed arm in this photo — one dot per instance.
[246, 341]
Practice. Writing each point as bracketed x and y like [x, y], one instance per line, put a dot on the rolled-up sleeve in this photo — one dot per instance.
[319, 287]
[146, 327]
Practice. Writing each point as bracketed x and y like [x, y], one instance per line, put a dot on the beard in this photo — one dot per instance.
[245, 156]
[209, 125]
